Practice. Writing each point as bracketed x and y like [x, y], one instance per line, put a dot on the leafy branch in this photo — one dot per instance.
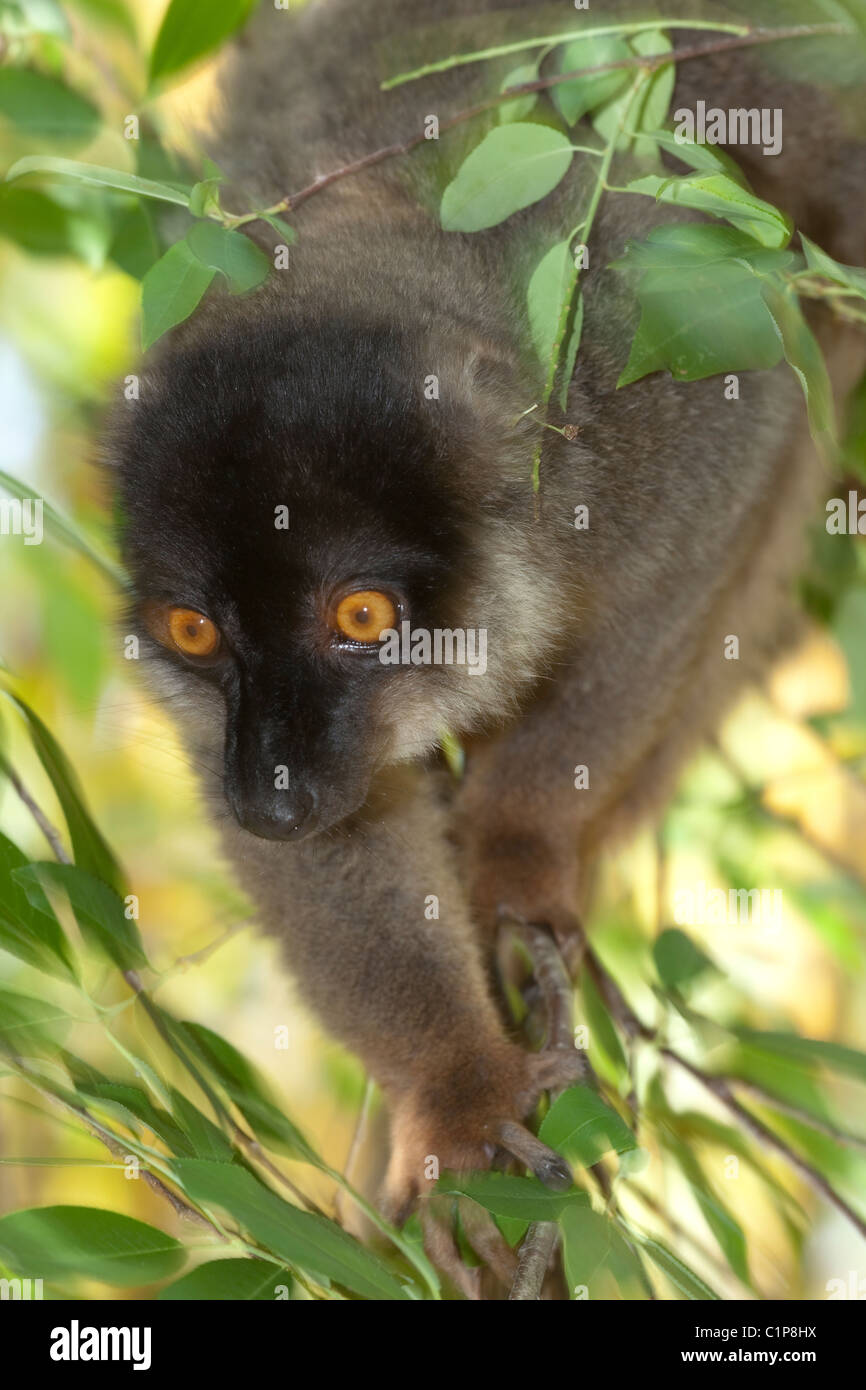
[745, 35]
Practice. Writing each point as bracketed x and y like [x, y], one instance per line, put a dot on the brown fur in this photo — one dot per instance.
[606, 645]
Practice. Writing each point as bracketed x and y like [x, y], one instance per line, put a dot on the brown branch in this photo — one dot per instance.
[677, 1229]
[719, 1087]
[183, 963]
[246, 1143]
[539, 1244]
[536, 1252]
[48, 830]
[116, 1147]
[650, 63]
[180, 1207]
[251, 1146]
[841, 1136]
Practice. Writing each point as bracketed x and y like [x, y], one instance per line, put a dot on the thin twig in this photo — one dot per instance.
[243, 1141]
[198, 957]
[649, 63]
[718, 1086]
[362, 1126]
[676, 1228]
[48, 830]
[114, 1146]
[720, 1089]
[253, 1148]
[841, 1136]
[621, 29]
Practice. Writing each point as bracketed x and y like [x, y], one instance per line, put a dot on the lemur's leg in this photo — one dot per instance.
[640, 693]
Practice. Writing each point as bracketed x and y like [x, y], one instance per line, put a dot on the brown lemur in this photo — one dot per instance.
[605, 646]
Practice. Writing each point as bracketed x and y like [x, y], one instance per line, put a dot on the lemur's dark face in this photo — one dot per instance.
[282, 505]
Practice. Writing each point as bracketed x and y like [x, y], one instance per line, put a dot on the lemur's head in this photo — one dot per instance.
[291, 495]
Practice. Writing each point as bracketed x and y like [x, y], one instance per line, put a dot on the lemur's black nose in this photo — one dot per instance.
[287, 816]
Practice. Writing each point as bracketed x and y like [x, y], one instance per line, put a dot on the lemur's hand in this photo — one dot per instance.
[464, 1120]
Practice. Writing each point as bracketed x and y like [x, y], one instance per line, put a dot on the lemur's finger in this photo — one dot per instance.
[547, 1165]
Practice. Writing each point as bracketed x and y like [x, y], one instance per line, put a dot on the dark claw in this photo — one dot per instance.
[547, 1165]
[554, 1172]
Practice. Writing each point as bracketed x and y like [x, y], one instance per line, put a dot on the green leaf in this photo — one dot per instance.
[243, 263]
[571, 352]
[73, 634]
[302, 1239]
[686, 246]
[678, 960]
[709, 159]
[249, 1092]
[596, 1257]
[207, 1140]
[781, 1077]
[575, 99]
[852, 277]
[135, 246]
[44, 108]
[694, 1127]
[651, 104]
[92, 854]
[691, 1285]
[521, 106]
[35, 221]
[99, 177]
[204, 197]
[30, 1027]
[724, 1226]
[283, 229]
[582, 1128]
[62, 530]
[806, 359]
[515, 165]
[720, 196]
[602, 1032]
[700, 321]
[548, 288]
[235, 1281]
[88, 1243]
[99, 911]
[131, 1105]
[170, 291]
[517, 1198]
[192, 28]
[811, 1051]
[32, 934]
[844, 1168]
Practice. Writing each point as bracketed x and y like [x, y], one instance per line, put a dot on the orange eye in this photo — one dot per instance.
[363, 616]
[184, 629]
